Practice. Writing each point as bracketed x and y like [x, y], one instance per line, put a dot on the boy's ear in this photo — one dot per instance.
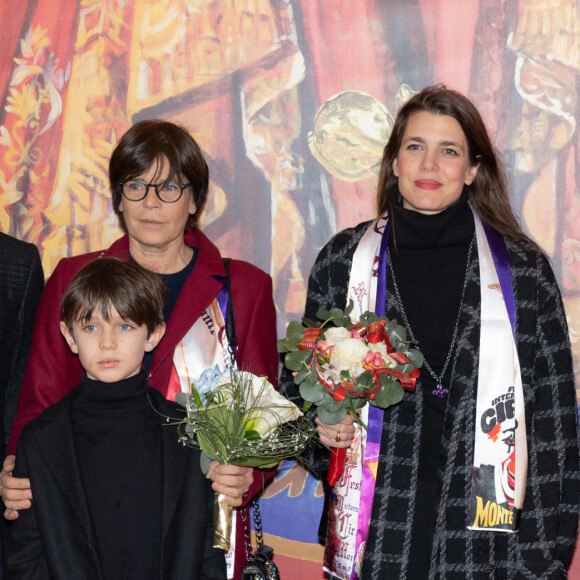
[70, 339]
[154, 338]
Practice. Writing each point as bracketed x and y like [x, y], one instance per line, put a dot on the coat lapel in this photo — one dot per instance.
[198, 291]
[64, 465]
[176, 458]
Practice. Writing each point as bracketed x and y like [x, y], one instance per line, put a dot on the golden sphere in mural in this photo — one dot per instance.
[349, 134]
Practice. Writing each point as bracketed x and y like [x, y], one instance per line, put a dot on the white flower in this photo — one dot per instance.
[267, 408]
[336, 335]
[349, 354]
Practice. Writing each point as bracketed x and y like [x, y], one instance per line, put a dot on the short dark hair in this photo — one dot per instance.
[488, 192]
[135, 293]
[162, 145]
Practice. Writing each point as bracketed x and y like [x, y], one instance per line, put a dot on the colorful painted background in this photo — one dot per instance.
[292, 102]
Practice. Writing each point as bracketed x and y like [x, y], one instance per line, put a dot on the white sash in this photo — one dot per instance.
[499, 481]
[341, 558]
[204, 347]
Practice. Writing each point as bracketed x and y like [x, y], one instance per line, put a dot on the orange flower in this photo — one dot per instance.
[323, 349]
[374, 362]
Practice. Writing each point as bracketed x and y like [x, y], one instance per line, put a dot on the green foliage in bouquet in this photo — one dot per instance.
[243, 421]
[341, 364]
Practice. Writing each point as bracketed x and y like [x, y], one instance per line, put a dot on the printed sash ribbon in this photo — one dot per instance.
[352, 497]
[499, 474]
[204, 346]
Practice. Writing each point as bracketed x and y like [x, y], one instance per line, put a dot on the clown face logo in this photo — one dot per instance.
[508, 478]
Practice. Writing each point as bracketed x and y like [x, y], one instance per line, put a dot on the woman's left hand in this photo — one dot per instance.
[233, 481]
[340, 434]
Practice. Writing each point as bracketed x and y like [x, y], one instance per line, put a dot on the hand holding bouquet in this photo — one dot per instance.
[239, 418]
[341, 365]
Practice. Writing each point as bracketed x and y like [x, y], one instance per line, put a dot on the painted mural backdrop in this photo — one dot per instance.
[292, 102]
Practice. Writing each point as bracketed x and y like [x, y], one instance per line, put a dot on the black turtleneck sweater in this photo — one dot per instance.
[429, 257]
[118, 440]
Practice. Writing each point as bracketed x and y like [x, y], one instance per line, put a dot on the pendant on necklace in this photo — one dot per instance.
[440, 391]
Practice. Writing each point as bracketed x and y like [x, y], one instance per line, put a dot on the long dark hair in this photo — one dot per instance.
[156, 143]
[488, 191]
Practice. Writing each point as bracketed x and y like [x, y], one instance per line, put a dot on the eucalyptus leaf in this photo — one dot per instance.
[294, 330]
[331, 418]
[349, 308]
[301, 375]
[390, 393]
[284, 345]
[368, 317]
[312, 393]
[313, 374]
[294, 335]
[391, 324]
[339, 318]
[310, 323]
[181, 399]
[297, 359]
[334, 405]
[398, 335]
[416, 357]
[365, 379]
[326, 400]
[323, 314]
[409, 367]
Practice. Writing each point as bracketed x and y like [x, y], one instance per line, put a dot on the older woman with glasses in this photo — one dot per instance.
[159, 180]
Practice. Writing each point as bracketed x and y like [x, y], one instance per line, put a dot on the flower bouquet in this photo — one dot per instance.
[341, 365]
[239, 418]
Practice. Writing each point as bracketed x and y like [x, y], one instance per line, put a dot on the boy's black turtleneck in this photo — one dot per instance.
[118, 440]
[429, 257]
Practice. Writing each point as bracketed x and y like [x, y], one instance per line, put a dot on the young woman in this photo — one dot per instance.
[487, 444]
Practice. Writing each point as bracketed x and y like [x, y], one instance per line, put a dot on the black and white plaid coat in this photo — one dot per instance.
[544, 544]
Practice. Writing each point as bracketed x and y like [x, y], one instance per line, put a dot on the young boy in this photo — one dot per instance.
[115, 495]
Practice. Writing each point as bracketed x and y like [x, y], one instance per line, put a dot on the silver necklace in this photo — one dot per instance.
[439, 391]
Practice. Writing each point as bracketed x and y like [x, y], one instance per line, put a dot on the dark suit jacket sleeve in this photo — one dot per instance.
[23, 552]
[22, 334]
[52, 369]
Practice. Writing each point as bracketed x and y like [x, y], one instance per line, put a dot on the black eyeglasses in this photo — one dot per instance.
[167, 192]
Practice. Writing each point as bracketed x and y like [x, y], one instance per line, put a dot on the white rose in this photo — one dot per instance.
[349, 353]
[336, 335]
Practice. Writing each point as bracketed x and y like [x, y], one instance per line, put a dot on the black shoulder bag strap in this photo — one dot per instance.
[231, 321]
[259, 566]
